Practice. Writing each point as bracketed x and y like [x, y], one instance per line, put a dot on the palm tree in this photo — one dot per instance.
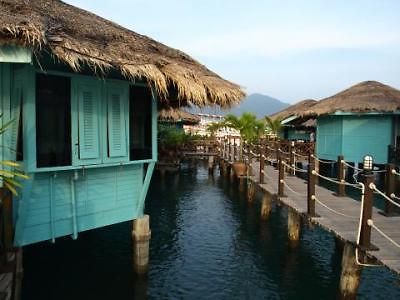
[249, 127]
[273, 126]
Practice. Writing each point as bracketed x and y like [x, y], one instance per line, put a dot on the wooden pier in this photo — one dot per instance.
[374, 233]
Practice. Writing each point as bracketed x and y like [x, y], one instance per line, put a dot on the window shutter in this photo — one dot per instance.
[88, 112]
[15, 117]
[116, 123]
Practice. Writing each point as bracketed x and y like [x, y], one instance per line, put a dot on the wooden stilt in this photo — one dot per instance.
[350, 274]
[251, 191]
[266, 206]
[141, 238]
[211, 164]
[293, 227]
[242, 183]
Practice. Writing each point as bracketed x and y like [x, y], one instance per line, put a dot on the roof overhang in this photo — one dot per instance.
[15, 54]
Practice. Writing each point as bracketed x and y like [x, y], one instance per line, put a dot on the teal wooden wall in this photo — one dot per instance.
[354, 136]
[59, 201]
[294, 134]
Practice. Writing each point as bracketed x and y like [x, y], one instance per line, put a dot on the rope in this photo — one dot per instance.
[323, 161]
[286, 153]
[292, 190]
[331, 209]
[350, 166]
[355, 185]
[300, 155]
[373, 187]
[294, 168]
[395, 173]
[371, 223]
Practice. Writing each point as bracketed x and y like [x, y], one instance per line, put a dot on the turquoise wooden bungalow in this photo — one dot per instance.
[363, 119]
[83, 94]
[295, 127]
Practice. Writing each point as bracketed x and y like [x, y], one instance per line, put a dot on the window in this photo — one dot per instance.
[53, 121]
[140, 133]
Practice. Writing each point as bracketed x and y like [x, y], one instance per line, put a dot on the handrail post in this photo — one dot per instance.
[262, 161]
[341, 176]
[234, 149]
[365, 234]
[311, 187]
[390, 189]
[281, 177]
[277, 154]
[291, 158]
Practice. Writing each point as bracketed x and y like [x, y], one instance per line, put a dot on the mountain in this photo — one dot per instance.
[258, 104]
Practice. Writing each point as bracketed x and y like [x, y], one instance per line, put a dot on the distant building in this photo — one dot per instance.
[205, 120]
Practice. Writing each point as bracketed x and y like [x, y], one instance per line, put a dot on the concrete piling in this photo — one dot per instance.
[350, 274]
[141, 239]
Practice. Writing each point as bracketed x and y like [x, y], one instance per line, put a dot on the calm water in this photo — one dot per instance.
[207, 243]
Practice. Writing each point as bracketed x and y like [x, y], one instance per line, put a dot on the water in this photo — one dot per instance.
[207, 243]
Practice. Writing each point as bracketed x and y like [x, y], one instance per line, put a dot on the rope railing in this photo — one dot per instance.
[371, 223]
[323, 161]
[331, 209]
[394, 172]
[372, 186]
[294, 168]
[355, 185]
[350, 166]
[283, 152]
[299, 155]
[291, 189]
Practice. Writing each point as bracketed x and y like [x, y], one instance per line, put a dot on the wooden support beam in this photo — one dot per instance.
[365, 234]
[251, 191]
[281, 177]
[311, 187]
[350, 273]
[390, 181]
[291, 158]
[141, 238]
[266, 206]
[341, 192]
[294, 223]
[262, 149]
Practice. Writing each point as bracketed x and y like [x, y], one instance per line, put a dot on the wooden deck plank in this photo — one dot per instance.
[342, 223]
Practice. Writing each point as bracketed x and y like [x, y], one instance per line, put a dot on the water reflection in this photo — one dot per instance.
[207, 242]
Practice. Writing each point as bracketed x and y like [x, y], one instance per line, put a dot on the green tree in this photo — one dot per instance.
[273, 126]
[249, 127]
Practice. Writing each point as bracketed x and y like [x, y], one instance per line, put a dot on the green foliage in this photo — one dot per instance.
[273, 126]
[212, 128]
[247, 124]
[173, 137]
[10, 171]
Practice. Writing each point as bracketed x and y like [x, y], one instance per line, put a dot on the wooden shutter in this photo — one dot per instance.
[117, 111]
[88, 130]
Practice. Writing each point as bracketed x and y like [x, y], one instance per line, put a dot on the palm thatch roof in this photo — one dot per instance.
[80, 38]
[364, 97]
[174, 115]
[296, 109]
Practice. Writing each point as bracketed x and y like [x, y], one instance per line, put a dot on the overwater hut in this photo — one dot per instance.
[177, 117]
[83, 94]
[363, 119]
[296, 127]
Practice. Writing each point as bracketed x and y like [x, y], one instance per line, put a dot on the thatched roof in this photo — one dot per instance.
[174, 115]
[364, 97]
[294, 110]
[80, 38]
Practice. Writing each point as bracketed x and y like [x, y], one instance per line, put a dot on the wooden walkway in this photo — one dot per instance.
[342, 219]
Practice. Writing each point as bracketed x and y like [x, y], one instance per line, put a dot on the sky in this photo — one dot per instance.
[290, 50]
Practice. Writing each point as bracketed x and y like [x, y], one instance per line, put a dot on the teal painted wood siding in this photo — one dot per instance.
[354, 136]
[92, 197]
[294, 134]
[101, 186]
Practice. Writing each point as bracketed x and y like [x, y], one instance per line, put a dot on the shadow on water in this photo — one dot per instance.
[207, 242]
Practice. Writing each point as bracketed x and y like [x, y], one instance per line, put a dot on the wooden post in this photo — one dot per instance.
[251, 191]
[390, 181]
[293, 227]
[311, 187]
[281, 177]
[141, 238]
[262, 162]
[277, 154]
[291, 159]
[340, 176]
[266, 206]
[350, 274]
[242, 183]
[234, 149]
[211, 164]
[316, 168]
[365, 235]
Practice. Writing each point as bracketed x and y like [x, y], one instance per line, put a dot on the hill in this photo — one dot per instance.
[258, 104]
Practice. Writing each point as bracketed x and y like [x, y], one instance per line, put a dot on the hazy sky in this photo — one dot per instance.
[290, 50]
